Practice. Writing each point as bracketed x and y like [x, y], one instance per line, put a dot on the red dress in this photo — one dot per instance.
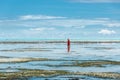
[68, 45]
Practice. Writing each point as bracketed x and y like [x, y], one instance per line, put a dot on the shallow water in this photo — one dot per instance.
[68, 77]
[81, 52]
[108, 51]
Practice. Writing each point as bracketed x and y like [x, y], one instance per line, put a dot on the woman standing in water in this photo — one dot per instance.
[68, 45]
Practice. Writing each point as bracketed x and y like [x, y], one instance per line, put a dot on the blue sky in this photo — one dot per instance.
[60, 19]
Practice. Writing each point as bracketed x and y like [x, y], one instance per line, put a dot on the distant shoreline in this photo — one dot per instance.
[58, 41]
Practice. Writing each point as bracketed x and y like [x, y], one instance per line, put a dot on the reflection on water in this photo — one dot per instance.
[58, 50]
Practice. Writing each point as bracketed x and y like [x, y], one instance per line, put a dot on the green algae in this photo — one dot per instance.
[98, 63]
[26, 73]
[111, 75]
[31, 73]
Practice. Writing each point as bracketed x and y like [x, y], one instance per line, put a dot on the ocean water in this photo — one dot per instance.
[58, 51]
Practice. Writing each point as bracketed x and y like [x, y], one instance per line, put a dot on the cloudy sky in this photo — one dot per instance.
[60, 19]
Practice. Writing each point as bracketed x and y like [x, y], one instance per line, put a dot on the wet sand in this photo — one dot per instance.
[19, 60]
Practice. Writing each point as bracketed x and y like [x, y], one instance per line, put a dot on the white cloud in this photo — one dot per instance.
[74, 23]
[106, 31]
[37, 17]
[80, 23]
[96, 1]
[41, 29]
[37, 32]
[58, 28]
[113, 24]
[37, 29]
[102, 18]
